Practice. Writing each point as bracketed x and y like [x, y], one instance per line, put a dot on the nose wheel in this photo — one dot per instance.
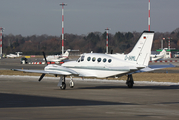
[71, 82]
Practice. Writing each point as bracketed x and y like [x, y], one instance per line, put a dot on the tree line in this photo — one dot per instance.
[120, 42]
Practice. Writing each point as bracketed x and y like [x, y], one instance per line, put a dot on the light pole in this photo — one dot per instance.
[162, 43]
[149, 17]
[107, 29]
[1, 30]
[169, 38]
[62, 4]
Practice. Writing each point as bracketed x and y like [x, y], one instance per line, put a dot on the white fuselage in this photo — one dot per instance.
[161, 55]
[13, 55]
[101, 65]
[56, 58]
[156, 57]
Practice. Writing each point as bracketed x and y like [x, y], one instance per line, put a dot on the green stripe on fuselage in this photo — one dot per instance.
[97, 68]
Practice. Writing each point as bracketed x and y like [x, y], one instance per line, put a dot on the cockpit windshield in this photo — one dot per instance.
[81, 58]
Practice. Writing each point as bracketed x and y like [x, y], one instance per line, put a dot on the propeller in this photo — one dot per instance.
[41, 77]
[45, 58]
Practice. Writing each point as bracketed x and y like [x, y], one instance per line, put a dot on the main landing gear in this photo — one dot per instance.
[130, 81]
[62, 83]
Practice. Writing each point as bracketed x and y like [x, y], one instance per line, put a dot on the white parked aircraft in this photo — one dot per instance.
[58, 58]
[105, 65]
[14, 55]
[161, 55]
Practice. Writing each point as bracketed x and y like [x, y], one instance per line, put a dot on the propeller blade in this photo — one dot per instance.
[41, 77]
[45, 57]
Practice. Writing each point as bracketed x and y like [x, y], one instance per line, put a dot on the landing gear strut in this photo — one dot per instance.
[130, 81]
[61, 84]
[63, 87]
[71, 82]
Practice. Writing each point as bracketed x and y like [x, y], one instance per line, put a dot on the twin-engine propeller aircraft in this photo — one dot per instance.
[105, 65]
[58, 58]
[161, 55]
[14, 55]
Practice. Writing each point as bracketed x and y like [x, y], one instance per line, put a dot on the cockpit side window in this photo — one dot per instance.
[82, 58]
[78, 60]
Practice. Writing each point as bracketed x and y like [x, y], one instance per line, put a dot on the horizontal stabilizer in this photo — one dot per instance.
[156, 67]
[152, 68]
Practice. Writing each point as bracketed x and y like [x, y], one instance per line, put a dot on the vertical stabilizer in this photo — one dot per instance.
[142, 50]
[66, 54]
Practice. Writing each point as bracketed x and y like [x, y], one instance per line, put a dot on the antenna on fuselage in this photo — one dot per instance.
[111, 51]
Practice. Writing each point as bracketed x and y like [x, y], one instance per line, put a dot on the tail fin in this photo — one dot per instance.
[163, 52]
[18, 54]
[66, 54]
[142, 50]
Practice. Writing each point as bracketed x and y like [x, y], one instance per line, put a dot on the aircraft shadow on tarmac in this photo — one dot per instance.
[16, 100]
[169, 103]
[155, 87]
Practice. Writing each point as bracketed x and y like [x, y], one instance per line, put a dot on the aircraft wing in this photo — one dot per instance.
[63, 71]
[155, 67]
[152, 68]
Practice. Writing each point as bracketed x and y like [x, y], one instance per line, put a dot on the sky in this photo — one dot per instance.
[37, 17]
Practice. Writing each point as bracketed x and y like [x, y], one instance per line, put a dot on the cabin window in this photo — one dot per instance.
[109, 60]
[104, 60]
[89, 58]
[93, 59]
[99, 60]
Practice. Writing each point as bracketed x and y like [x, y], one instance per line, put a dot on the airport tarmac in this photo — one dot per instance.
[9, 63]
[26, 98]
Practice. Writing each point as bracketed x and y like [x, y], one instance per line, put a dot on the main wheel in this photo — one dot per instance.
[130, 84]
[63, 87]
